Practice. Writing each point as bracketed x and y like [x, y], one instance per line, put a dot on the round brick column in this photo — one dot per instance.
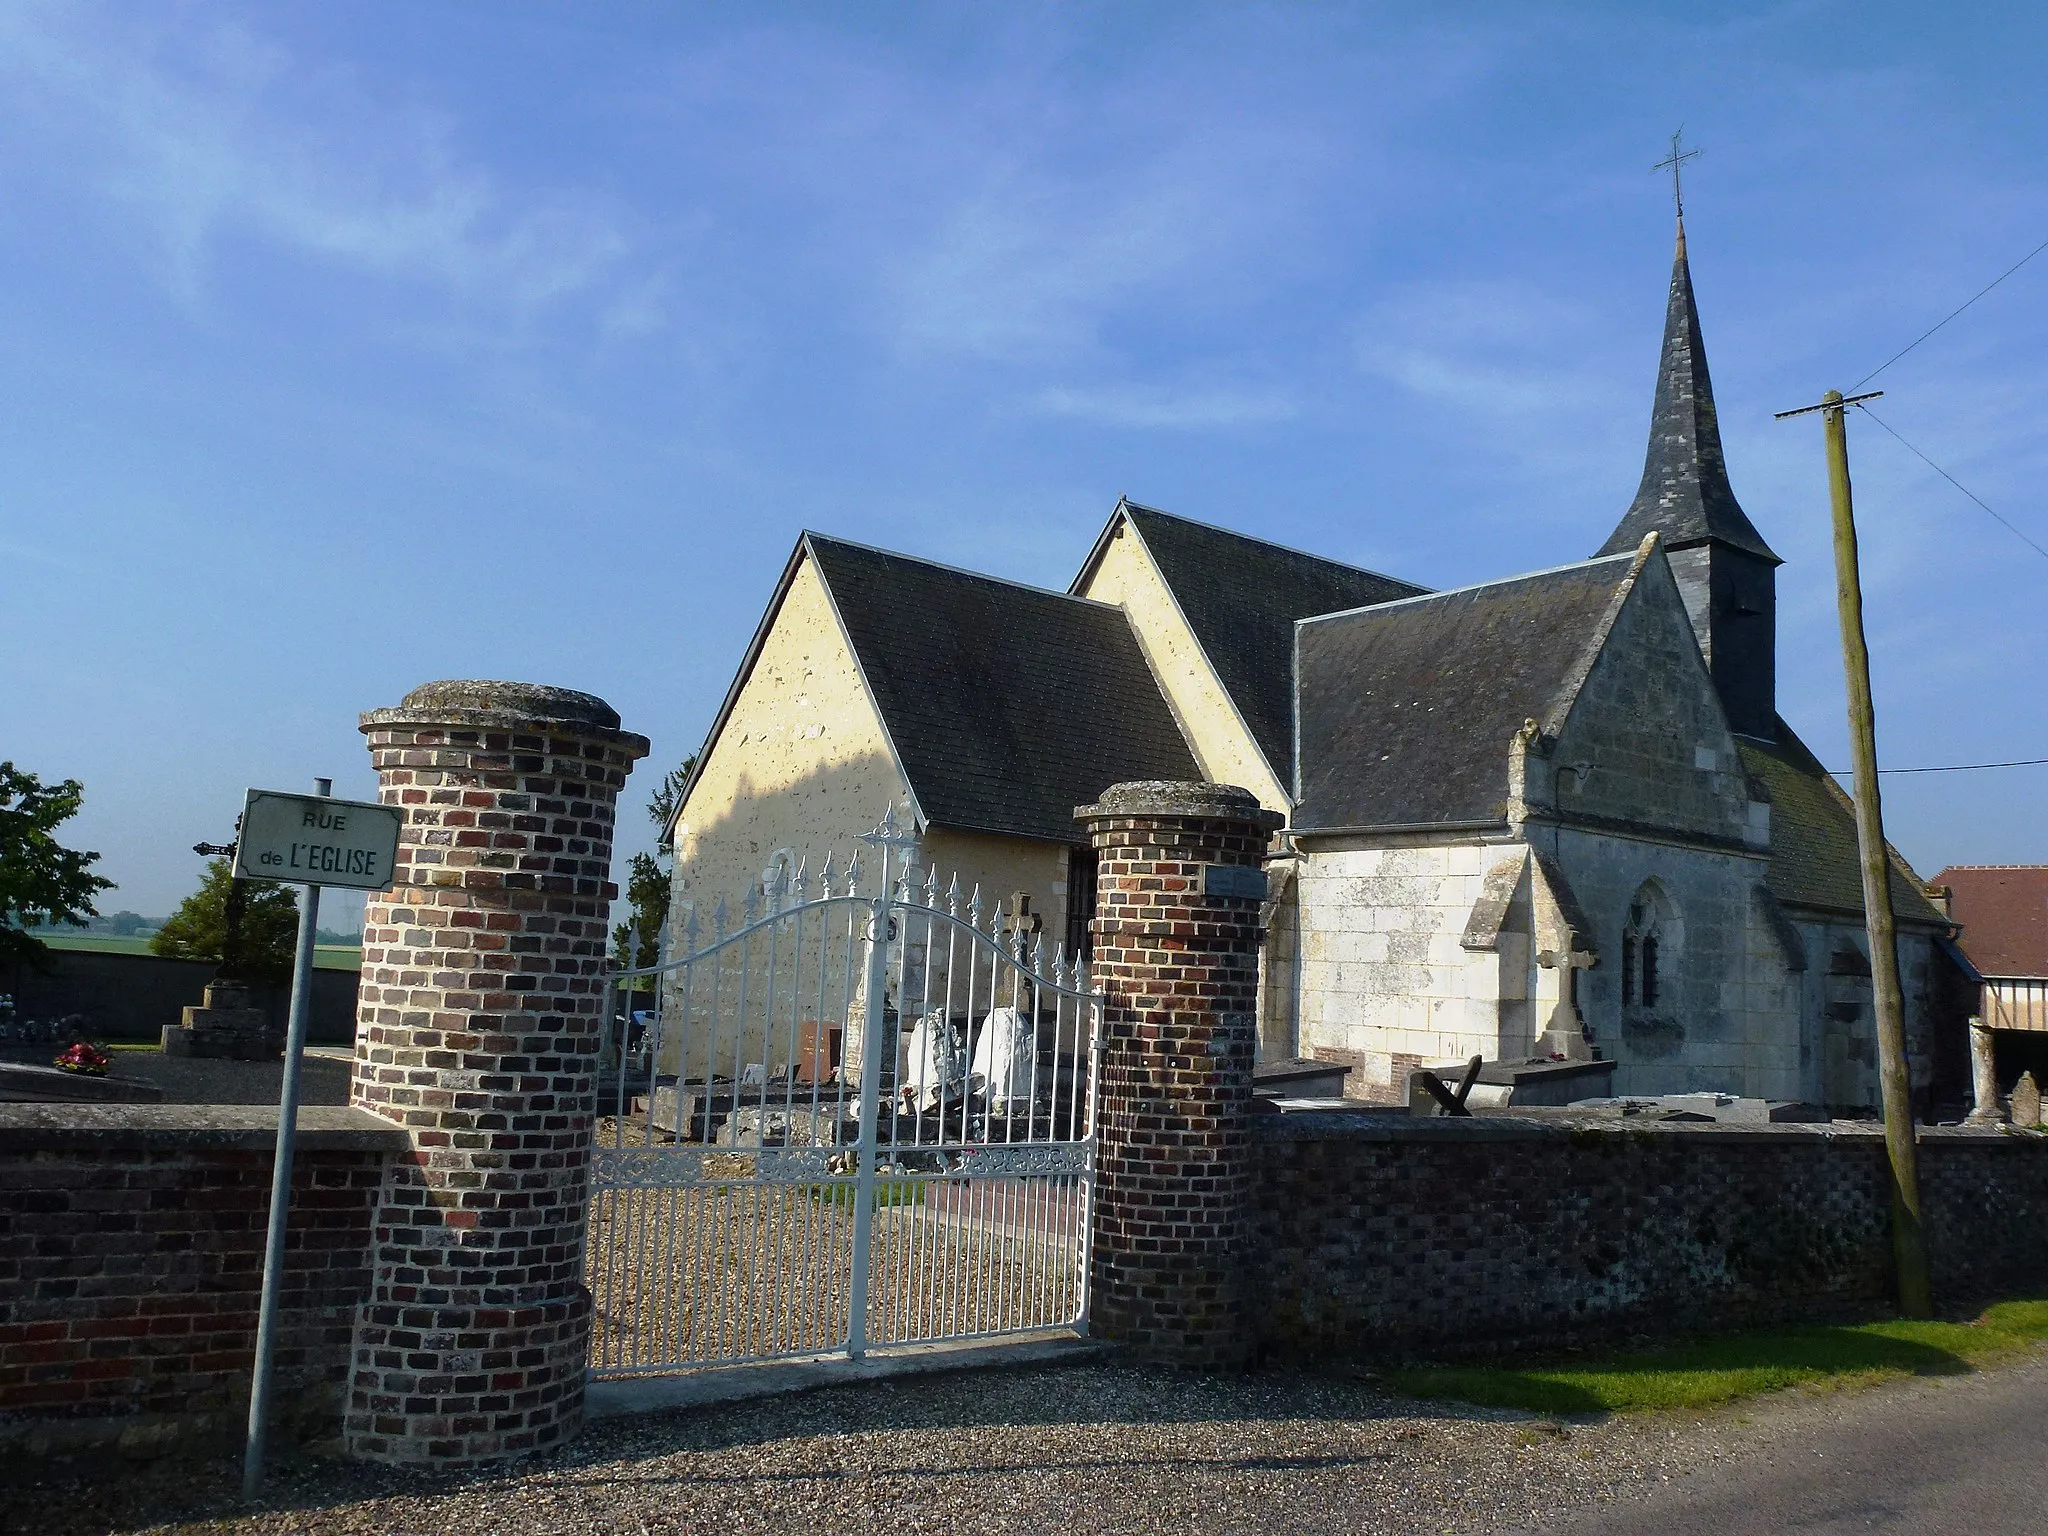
[477, 1029]
[1179, 971]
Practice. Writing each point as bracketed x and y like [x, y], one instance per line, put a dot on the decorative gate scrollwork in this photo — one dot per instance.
[857, 1119]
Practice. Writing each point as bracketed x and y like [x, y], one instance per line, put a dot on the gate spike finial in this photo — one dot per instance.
[931, 888]
[690, 928]
[853, 874]
[953, 896]
[719, 918]
[1038, 953]
[974, 906]
[797, 883]
[753, 901]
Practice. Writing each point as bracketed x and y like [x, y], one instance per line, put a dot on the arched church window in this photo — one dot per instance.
[1645, 944]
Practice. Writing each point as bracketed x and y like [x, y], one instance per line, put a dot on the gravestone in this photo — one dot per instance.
[2026, 1101]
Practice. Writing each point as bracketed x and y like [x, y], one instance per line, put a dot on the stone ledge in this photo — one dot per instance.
[1336, 1123]
[1150, 798]
[189, 1128]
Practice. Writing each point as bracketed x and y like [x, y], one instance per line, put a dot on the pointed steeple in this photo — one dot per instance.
[1685, 495]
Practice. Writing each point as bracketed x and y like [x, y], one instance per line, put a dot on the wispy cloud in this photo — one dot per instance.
[1514, 356]
[1165, 406]
[204, 133]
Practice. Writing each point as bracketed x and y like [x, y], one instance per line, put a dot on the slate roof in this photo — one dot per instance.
[2004, 912]
[1685, 494]
[1813, 835]
[1008, 705]
[1241, 597]
[1407, 709]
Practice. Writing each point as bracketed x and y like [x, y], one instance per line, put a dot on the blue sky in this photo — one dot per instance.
[348, 346]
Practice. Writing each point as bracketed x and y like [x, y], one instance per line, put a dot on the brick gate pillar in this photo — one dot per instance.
[1179, 970]
[477, 1029]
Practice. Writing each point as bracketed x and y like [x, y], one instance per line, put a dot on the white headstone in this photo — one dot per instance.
[1005, 1054]
[932, 1072]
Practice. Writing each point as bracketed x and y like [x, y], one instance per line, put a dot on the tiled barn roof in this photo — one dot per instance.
[2004, 912]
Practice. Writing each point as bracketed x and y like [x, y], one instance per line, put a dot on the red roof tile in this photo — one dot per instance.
[2004, 912]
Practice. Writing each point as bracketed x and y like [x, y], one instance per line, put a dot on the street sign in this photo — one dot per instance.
[311, 840]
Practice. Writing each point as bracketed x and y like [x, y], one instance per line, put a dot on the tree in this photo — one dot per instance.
[198, 930]
[647, 876]
[42, 882]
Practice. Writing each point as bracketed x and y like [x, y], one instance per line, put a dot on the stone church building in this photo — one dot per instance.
[1549, 815]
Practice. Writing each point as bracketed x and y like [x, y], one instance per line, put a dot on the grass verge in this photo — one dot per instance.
[888, 1192]
[1718, 1368]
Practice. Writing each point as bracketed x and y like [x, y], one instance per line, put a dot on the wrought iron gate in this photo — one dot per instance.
[852, 1121]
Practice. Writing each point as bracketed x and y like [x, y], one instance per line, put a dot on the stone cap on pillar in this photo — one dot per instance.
[486, 705]
[1180, 799]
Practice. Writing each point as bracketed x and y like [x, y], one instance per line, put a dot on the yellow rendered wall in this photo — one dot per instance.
[1222, 746]
[801, 765]
[1002, 866]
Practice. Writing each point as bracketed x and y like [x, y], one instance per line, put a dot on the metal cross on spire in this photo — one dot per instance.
[1671, 163]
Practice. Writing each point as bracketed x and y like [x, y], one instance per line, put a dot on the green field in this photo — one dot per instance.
[1712, 1369]
[326, 957]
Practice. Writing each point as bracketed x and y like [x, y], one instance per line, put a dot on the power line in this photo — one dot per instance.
[2008, 272]
[2018, 762]
[1952, 480]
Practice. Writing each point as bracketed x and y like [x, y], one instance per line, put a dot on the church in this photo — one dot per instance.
[1555, 815]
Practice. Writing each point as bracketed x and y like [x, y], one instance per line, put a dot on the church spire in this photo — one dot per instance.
[1725, 571]
[1685, 495]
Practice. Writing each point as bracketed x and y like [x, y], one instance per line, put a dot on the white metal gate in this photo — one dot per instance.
[852, 1121]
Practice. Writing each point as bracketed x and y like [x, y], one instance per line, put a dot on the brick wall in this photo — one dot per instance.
[1381, 1236]
[131, 1257]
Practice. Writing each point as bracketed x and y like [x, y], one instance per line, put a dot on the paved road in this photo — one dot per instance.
[1962, 1455]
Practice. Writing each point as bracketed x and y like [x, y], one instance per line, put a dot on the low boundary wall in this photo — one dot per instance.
[1380, 1236]
[132, 997]
[131, 1257]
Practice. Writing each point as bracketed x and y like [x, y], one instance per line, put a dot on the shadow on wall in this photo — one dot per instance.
[731, 836]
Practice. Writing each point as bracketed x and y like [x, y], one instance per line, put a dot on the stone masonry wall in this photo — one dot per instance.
[1380, 1236]
[1385, 982]
[131, 1257]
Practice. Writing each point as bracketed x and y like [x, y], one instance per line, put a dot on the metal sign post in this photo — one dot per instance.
[311, 840]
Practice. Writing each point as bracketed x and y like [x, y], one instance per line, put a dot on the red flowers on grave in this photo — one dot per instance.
[82, 1058]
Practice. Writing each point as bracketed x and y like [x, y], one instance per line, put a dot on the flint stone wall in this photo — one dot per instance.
[1379, 1236]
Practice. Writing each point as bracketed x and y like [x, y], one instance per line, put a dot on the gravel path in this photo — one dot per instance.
[1081, 1448]
[711, 1271]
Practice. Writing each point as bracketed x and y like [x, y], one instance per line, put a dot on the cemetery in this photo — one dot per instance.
[522, 1196]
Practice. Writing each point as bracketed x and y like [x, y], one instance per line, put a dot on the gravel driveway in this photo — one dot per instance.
[1078, 1448]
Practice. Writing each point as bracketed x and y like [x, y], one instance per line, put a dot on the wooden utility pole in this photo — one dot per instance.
[1909, 1237]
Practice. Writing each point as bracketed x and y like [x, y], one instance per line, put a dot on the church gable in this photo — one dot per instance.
[1122, 571]
[798, 759]
[1216, 612]
[1641, 739]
